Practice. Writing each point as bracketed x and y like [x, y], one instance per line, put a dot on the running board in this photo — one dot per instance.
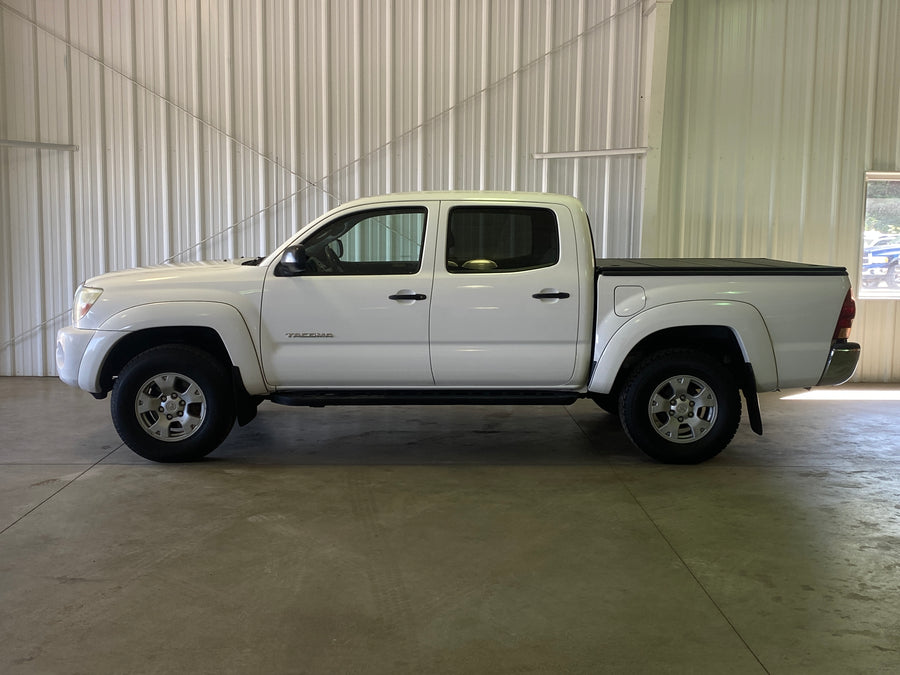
[321, 398]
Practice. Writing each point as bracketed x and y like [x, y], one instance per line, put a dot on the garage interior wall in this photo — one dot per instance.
[214, 129]
[774, 111]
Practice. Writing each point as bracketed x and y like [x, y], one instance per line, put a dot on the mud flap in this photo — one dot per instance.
[748, 388]
[245, 405]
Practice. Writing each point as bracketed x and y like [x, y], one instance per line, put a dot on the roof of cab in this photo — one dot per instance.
[466, 195]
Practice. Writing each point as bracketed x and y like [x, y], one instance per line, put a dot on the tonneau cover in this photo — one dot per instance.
[711, 267]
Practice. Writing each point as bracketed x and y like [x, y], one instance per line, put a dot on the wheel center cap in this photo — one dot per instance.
[171, 406]
[682, 408]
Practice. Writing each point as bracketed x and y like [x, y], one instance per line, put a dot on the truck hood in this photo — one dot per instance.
[227, 282]
[176, 274]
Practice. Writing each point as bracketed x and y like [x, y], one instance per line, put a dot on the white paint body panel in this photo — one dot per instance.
[488, 331]
[783, 324]
[473, 330]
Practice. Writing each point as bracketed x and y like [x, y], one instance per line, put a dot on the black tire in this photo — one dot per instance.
[173, 403]
[680, 406]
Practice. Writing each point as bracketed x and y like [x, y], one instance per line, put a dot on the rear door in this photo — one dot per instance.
[505, 301]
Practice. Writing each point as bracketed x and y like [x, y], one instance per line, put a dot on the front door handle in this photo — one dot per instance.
[551, 295]
[402, 295]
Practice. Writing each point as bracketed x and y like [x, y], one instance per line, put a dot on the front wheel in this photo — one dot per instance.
[680, 406]
[173, 403]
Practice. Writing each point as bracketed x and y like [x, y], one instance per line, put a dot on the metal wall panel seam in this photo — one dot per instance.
[389, 98]
[579, 94]
[515, 97]
[38, 301]
[608, 134]
[137, 220]
[103, 173]
[837, 149]
[70, 130]
[548, 71]
[485, 77]
[779, 129]
[324, 56]
[420, 111]
[232, 149]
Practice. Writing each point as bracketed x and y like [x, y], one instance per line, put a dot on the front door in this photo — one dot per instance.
[358, 315]
[505, 309]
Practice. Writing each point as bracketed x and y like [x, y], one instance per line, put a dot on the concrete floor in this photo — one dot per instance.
[448, 540]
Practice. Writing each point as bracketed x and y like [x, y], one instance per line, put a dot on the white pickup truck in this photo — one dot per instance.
[455, 297]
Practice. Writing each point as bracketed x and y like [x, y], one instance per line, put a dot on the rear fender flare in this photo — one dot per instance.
[742, 319]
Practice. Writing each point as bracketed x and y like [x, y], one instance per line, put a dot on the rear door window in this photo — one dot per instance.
[501, 239]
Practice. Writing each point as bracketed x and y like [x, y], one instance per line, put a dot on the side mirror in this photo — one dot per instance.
[293, 262]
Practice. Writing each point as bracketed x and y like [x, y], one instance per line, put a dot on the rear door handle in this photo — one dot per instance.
[551, 295]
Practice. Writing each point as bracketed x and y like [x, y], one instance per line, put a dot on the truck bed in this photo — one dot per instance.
[624, 267]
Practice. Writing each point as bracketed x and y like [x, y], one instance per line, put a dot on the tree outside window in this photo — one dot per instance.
[881, 237]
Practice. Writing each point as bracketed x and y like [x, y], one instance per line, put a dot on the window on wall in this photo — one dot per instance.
[881, 237]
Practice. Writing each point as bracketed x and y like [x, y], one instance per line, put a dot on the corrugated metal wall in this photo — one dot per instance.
[774, 111]
[214, 128]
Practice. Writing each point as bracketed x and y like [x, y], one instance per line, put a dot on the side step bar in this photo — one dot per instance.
[321, 398]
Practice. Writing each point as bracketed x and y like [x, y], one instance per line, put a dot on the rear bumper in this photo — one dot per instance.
[841, 363]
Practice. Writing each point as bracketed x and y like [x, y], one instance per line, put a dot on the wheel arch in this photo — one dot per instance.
[132, 344]
[735, 331]
[217, 328]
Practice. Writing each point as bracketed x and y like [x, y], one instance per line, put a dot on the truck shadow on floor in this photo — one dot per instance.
[415, 435]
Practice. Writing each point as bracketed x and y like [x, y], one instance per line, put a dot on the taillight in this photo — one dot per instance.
[845, 318]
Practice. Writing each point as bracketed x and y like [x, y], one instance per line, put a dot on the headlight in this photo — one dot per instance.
[878, 259]
[85, 297]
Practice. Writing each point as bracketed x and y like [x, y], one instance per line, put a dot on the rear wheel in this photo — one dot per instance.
[680, 406]
[173, 403]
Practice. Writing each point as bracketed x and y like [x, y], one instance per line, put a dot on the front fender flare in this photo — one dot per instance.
[223, 318]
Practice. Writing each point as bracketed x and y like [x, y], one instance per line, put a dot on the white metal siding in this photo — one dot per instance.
[210, 128]
[774, 111]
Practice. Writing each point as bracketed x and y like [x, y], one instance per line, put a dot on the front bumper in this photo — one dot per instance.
[80, 355]
[71, 344]
[841, 363]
